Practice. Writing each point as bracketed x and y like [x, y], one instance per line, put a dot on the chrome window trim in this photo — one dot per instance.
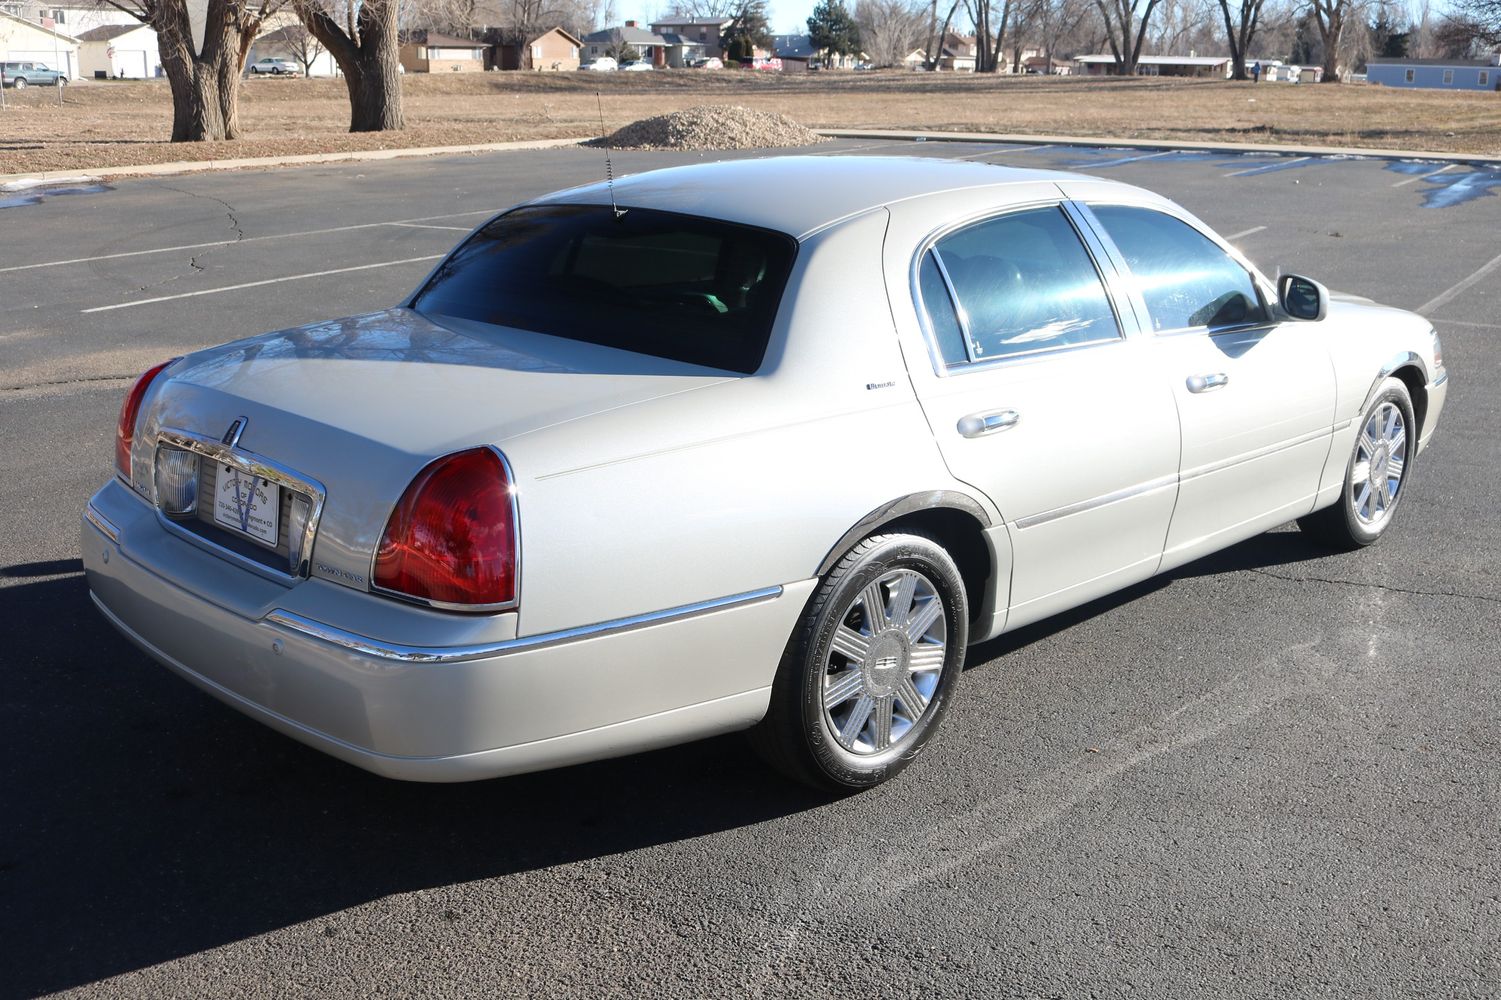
[960, 313]
[1264, 290]
[914, 278]
[256, 465]
[515, 600]
[366, 646]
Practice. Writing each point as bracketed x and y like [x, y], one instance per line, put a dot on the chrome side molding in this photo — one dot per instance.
[105, 525]
[399, 653]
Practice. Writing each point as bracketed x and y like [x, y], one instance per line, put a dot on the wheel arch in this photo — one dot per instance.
[1409, 368]
[952, 519]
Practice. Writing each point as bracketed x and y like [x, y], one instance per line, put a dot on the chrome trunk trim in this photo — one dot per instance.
[105, 525]
[366, 646]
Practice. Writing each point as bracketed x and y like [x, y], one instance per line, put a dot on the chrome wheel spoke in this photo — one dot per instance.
[913, 703]
[851, 644]
[880, 728]
[1396, 440]
[1367, 444]
[927, 656]
[854, 724]
[1360, 473]
[1394, 467]
[918, 625]
[1362, 499]
[873, 599]
[901, 598]
[842, 687]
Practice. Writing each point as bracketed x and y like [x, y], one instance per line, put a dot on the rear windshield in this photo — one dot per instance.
[672, 286]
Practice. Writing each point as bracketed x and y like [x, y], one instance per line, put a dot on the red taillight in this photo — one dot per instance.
[125, 433]
[452, 537]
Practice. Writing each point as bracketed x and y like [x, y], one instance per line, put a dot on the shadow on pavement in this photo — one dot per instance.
[144, 821]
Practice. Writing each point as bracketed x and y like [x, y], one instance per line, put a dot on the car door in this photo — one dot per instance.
[1255, 396]
[1038, 397]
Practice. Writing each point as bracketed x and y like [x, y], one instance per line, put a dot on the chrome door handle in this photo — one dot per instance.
[1204, 383]
[976, 424]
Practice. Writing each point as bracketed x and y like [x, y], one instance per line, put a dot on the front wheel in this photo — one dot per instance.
[1376, 475]
[870, 672]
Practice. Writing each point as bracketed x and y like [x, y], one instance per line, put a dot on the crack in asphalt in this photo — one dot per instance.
[1377, 586]
[59, 383]
[234, 223]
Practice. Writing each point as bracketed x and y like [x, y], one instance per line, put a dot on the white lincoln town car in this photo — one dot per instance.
[754, 445]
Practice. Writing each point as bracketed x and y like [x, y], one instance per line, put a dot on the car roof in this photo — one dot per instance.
[800, 195]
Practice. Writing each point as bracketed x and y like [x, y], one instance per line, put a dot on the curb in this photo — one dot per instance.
[195, 166]
[1479, 159]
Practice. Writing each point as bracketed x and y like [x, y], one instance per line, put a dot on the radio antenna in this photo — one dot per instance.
[604, 140]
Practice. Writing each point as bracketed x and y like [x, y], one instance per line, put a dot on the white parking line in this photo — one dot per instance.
[1268, 166]
[1448, 294]
[250, 239]
[1424, 177]
[872, 145]
[1461, 322]
[1128, 159]
[257, 284]
[414, 225]
[1244, 232]
[1003, 149]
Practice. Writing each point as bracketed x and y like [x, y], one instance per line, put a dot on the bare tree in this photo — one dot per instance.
[303, 45]
[890, 29]
[707, 8]
[1242, 18]
[1126, 23]
[1483, 17]
[361, 35]
[988, 47]
[937, 36]
[1331, 17]
[204, 79]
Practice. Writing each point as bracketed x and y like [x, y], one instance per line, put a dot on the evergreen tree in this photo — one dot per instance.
[832, 29]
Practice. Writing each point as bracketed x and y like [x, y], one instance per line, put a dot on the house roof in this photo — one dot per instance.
[1160, 60]
[692, 22]
[105, 32]
[287, 33]
[435, 40]
[629, 34]
[561, 31]
[1461, 63]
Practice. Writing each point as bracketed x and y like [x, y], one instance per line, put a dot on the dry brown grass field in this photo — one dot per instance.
[101, 125]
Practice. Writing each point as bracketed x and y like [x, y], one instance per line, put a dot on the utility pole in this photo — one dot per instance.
[51, 23]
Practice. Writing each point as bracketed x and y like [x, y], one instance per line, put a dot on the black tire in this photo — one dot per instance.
[1341, 525]
[799, 736]
[20, 83]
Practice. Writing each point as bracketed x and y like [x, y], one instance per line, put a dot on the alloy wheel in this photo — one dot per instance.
[1380, 460]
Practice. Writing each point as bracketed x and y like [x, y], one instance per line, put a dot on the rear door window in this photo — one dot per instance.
[1024, 283]
[675, 286]
[1185, 278]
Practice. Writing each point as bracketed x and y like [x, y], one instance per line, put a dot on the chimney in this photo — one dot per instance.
[630, 24]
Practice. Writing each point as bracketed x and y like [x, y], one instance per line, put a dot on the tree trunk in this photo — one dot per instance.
[367, 55]
[205, 85]
[1331, 34]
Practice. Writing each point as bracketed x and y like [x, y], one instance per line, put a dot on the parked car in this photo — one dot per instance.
[766, 446]
[21, 75]
[637, 66]
[706, 62]
[274, 67]
[604, 64]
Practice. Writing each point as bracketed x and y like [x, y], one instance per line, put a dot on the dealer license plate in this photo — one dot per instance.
[247, 504]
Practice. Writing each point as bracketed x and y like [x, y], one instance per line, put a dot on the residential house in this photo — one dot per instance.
[554, 50]
[957, 54]
[293, 43]
[425, 51]
[630, 40]
[1436, 74]
[72, 17]
[119, 52]
[689, 38]
[1214, 67]
[27, 41]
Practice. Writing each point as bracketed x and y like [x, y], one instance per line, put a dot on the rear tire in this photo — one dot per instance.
[20, 83]
[1376, 474]
[872, 667]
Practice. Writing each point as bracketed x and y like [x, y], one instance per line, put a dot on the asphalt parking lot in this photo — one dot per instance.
[1272, 772]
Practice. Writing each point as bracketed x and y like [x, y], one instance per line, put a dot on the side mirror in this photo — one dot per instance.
[1302, 298]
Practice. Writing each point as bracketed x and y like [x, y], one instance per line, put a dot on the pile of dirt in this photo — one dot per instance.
[712, 126]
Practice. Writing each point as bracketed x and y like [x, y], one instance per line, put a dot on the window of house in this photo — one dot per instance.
[1448, 77]
[60, 16]
[1023, 282]
[422, 52]
[1184, 277]
[1409, 76]
[1485, 78]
